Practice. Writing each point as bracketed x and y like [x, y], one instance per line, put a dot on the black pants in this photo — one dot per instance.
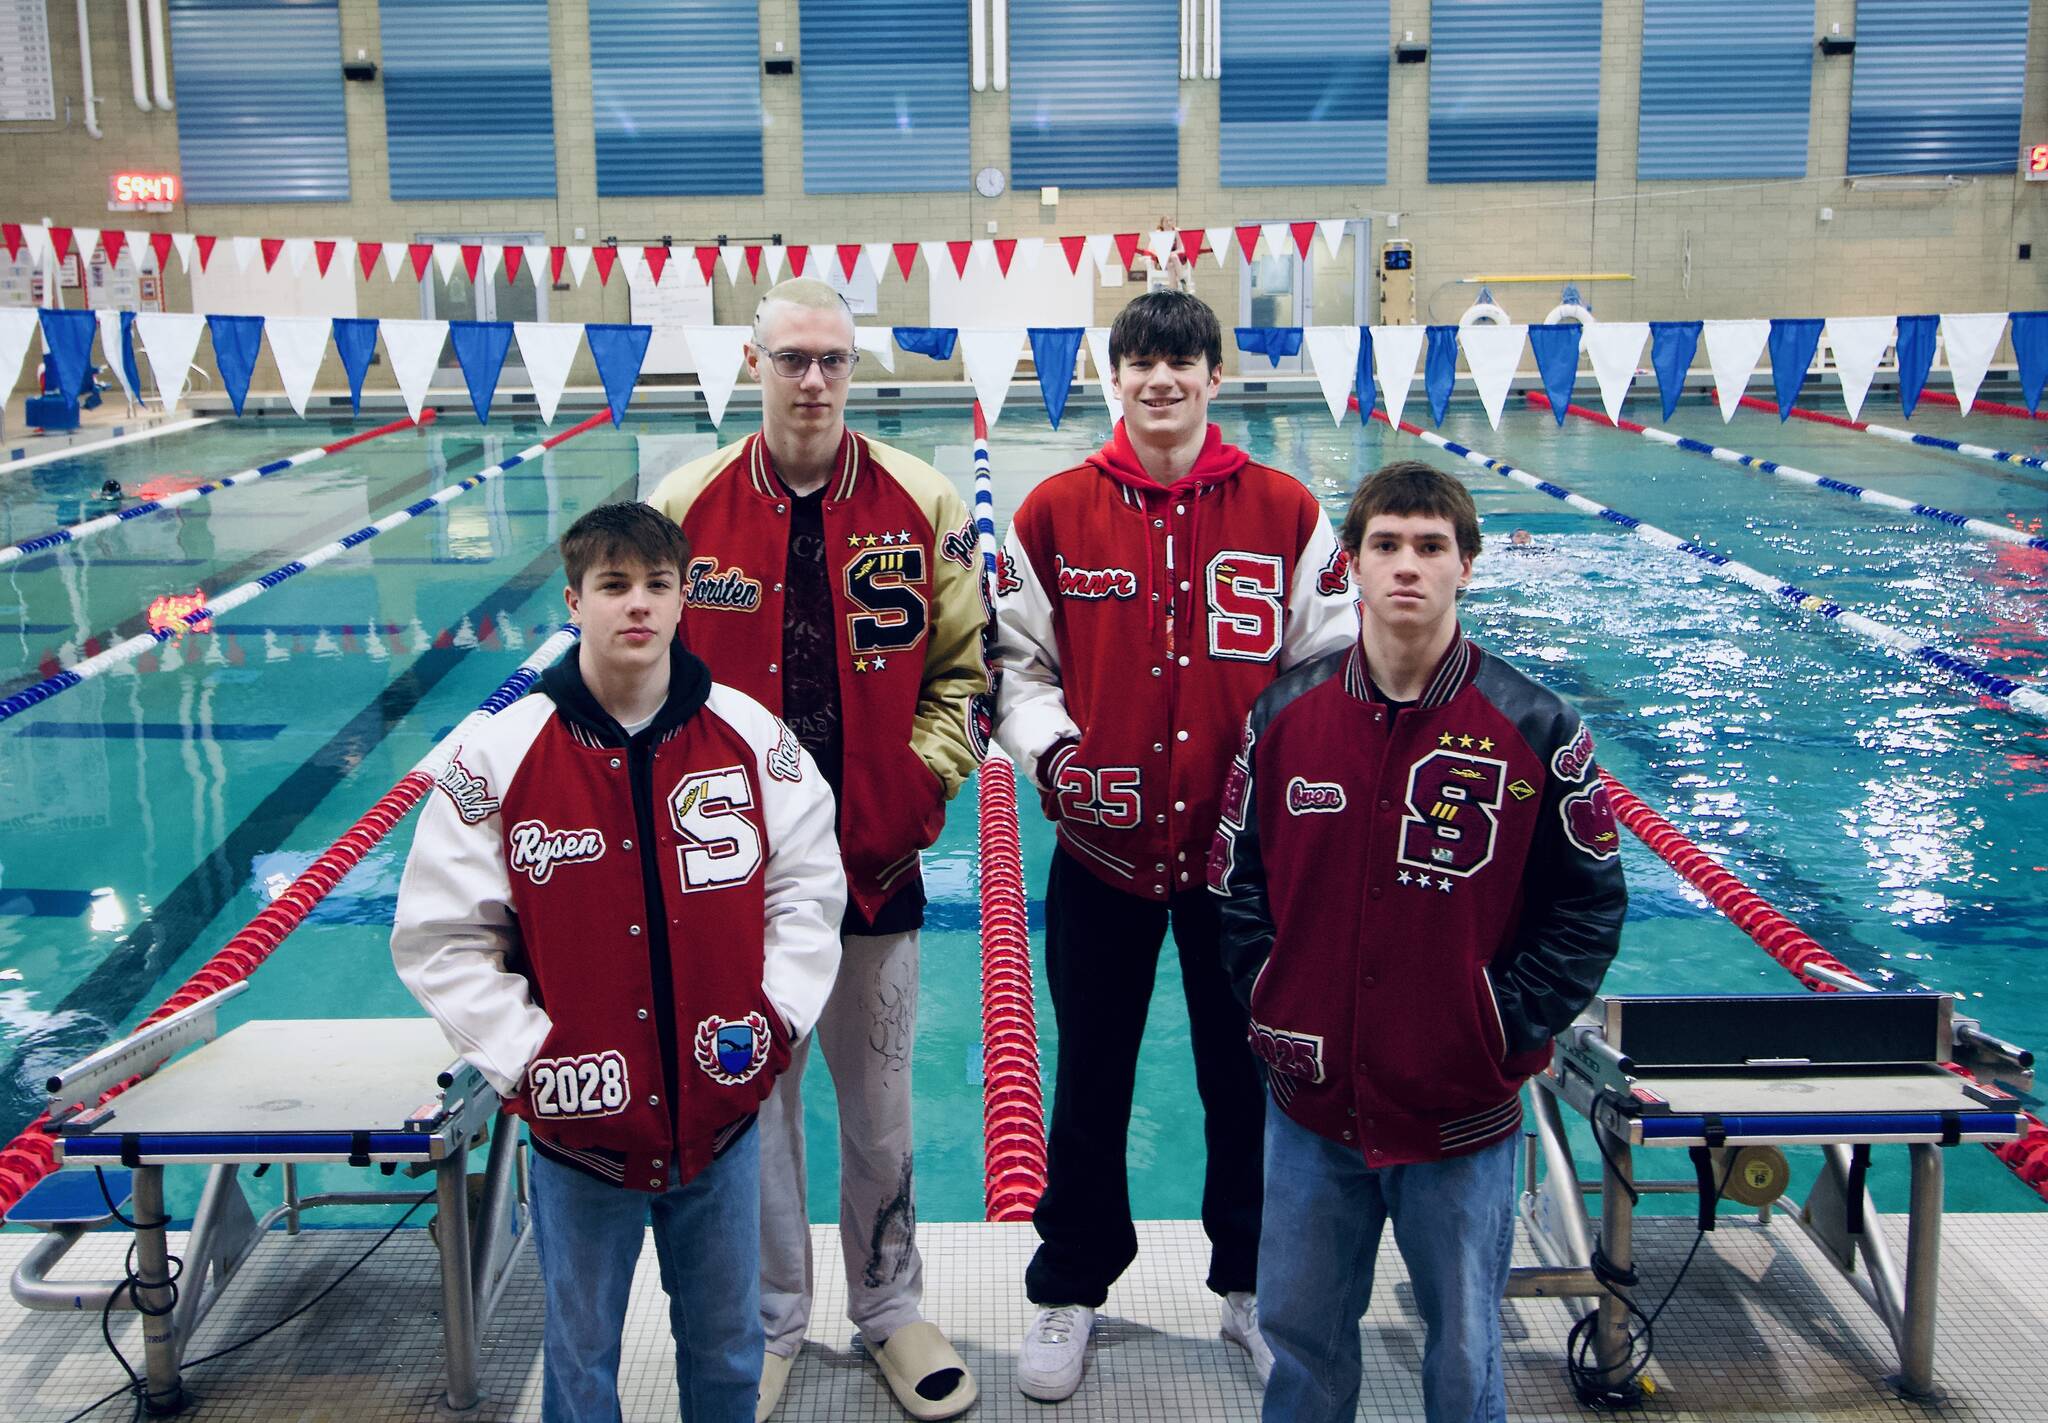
[1101, 952]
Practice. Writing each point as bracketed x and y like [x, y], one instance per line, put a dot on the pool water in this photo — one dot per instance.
[149, 814]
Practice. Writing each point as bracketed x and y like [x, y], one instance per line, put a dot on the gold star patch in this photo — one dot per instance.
[871, 540]
[860, 664]
[1444, 740]
[1521, 790]
[1486, 743]
[853, 540]
[1464, 741]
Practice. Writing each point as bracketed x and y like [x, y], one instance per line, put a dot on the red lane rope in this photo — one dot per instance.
[1012, 1102]
[1989, 407]
[1792, 947]
[33, 1154]
[1818, 417]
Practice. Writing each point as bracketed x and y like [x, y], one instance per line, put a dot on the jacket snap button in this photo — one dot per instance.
[653, 1101]
[1155, 671]
[625, 844]
[1180, 805]
[1180, 736]
[1375, 891]
[655, 1182]
[1159, 746]
[1183, 659]
[642, 1015]
[778, 587]
[657, 1163]
[772, 667]
[1347, 1136]
[634, 930]
[615, 763]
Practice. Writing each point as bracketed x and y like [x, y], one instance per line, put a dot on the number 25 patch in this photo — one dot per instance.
[593, 1085]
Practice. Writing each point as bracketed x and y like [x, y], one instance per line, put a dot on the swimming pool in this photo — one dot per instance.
[1878, 804]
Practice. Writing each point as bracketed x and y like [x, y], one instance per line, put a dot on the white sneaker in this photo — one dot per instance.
[1241, 1326]
[1054, 1348]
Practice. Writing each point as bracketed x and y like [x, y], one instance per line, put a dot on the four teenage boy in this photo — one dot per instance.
[778, 688]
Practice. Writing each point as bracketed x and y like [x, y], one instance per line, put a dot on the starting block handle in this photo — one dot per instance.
[140, 1053]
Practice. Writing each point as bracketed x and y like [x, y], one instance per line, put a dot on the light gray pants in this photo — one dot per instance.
[869, 1024]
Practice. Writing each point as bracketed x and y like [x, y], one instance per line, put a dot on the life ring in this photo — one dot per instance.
[1569, 311]
[1485, 311]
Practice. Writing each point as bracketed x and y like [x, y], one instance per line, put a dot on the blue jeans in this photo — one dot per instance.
[707, 1236]
[1454, 1222]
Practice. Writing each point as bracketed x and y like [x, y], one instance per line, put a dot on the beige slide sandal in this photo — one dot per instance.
[926, 1373]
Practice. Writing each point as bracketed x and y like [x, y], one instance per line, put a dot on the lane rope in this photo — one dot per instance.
[1989, 407]
[74, 533]
[1012, 1095]
[66, 678]
[32, 1154]
[2005, 691]
[1790, 946]
[1902, 437]
[1983, 528]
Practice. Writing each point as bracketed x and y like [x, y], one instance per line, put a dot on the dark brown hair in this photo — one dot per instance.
[1166, 324]
[622, 533]
[1410, 487]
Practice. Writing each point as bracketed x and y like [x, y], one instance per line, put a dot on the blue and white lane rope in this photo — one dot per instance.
[984, 505]
[1983, 528]
[2019, 696]
[134, 647]
[509, 691]
[1906, 437]
[75, 532]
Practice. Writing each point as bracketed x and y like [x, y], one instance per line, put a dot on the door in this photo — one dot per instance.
[1273, 290]
[455, 298]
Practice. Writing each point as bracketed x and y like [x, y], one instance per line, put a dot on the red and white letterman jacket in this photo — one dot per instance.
[901, 554]
[1136, 623]
[625, 936]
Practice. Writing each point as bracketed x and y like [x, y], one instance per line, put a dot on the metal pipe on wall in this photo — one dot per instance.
[1215, 39]
[999, 41]
[1187, 38]
[137, 78]
[92, 121]
[159, 58]
[977, 42]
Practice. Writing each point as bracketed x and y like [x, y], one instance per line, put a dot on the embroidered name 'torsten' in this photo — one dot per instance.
[706, 586]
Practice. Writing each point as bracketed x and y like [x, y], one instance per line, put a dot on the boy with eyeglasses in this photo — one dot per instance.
[833, 579]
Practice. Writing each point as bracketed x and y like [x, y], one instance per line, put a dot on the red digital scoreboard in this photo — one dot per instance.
[142, 192]
[2034, 162]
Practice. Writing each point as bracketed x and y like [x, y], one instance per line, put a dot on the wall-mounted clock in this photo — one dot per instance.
[989, 182]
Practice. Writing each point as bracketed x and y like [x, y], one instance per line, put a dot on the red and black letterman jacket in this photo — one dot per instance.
[625, 935]
[900, 551]
[1135, 623]
[1416, 899]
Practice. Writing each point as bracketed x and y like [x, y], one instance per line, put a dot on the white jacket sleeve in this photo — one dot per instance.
[455, 926]
[1322, 606]
[1031, 709]
[804, 880]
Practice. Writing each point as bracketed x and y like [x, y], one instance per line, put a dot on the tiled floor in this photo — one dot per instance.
[1763, 1328]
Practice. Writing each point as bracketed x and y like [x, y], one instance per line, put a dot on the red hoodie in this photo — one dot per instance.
[1136, 623]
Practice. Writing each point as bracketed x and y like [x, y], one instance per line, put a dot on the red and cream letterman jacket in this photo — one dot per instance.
[901, 554]
[1135, 624]
[625, 936]
[1416, 899]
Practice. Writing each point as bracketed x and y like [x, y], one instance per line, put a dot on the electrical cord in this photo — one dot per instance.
[137, 1386]
[1591, 1383]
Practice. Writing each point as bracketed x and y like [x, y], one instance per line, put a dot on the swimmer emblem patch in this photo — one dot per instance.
[732, 1050]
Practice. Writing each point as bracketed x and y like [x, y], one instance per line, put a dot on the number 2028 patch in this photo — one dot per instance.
[593, 1085]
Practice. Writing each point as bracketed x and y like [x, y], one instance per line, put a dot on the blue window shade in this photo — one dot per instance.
[259, 101]
[675, 91]
[1727, 88]
[885, 96]
[1304, 92]
[1514, 90]
[1938, 86]
[1095, 93]
[468, 105]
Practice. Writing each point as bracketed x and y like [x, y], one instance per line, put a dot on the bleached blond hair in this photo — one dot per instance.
[806, 292]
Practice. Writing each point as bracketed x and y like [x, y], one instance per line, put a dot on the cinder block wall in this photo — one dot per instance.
[1742, 250]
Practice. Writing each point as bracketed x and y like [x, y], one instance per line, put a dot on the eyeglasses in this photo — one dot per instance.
[795, 365]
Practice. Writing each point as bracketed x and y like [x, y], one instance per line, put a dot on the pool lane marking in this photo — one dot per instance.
[73, 533]
[133, 437]
[84, 671]
[1983, 528]
[1902, 437]
[2019, 696]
